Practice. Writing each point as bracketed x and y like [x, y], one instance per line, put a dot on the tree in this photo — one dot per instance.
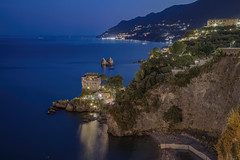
[228, 146]
[139, 75]
[114, 82]
[156, 49]
[189, 33]
[173, 115]
[104, 77]
[178, 48]
[85, 92]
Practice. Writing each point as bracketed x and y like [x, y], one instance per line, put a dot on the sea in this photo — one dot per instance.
[35, 71]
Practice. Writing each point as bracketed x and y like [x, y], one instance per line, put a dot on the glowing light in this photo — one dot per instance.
[111, 38]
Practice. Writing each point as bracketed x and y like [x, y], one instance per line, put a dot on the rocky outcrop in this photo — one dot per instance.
[69, 107]
[51, 110]
[141, 61]
[60, 104]
[104, 62]
[109, 62]
[74, 105]
[206, 102]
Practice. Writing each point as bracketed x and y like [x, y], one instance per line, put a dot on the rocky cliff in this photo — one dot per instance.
[206, 102]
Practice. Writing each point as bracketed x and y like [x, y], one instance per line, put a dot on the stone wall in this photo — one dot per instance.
[231, 51]
[185, 147]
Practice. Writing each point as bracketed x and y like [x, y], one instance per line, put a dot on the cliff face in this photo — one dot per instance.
[206, 102]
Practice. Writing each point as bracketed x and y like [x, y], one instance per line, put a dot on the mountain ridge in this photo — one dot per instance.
[173, 22]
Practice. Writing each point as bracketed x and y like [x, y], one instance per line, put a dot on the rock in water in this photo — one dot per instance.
[61, 104]
[69, 108]
[110, 61]
[51, 111]
[104, 62]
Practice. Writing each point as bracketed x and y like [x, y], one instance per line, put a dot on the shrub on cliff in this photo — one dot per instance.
[228, 146]
[181, 79]
[173, 115]
[125, 116]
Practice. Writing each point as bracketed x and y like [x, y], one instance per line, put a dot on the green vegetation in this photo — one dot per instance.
[178, 48]
[157, 70]
[211, 38]
[125, 116]
[79, 101]
[114, 82]
[104, 77]
[189, 33]
[228, 146]
[181, 79]
[173, 115]
[85, 92]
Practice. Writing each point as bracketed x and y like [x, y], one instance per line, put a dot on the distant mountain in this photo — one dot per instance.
[173, 22]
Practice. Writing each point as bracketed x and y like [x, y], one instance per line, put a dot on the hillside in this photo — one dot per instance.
[173, 22]
[205, 103]
[190, 89]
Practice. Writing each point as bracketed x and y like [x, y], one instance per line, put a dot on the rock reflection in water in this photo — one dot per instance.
[94, 141]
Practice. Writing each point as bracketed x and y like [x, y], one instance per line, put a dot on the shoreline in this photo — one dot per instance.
[108, 38]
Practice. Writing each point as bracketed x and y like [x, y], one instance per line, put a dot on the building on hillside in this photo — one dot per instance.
[91, 81]
[196, 61]
[103, 94]
[223, 22]
[165, 49]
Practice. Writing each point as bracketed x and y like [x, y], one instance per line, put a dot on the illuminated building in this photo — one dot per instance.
[223, 22]
[91, 81]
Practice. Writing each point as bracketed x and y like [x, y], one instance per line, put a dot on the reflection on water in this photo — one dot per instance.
[94, 141]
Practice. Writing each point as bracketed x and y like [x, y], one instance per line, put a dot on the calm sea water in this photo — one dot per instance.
[36, 71]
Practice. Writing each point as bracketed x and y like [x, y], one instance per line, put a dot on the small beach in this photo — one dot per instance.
[180, 154]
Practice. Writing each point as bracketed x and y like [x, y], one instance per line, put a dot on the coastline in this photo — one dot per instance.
[135, 40]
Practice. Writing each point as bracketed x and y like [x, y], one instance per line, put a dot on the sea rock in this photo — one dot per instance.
[51, 111]
[80, 105]
[61, 104]
[82, 108]
[69, 108]
[51, 108]
[104, 62]
[110, 61]
[141, 61]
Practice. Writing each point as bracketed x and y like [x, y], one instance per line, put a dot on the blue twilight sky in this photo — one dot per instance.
[72, 17]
